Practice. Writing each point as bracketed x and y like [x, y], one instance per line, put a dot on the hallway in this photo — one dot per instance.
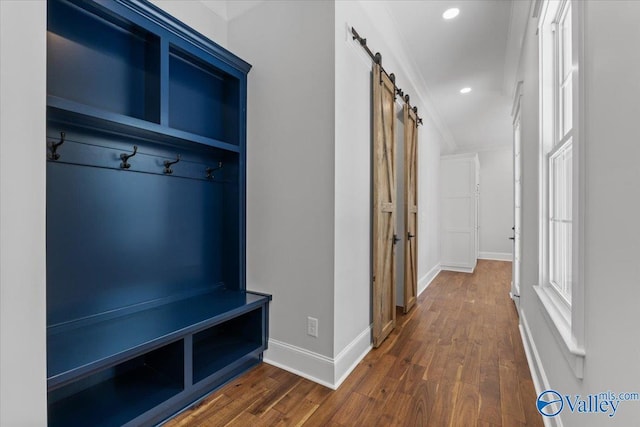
[456, 359]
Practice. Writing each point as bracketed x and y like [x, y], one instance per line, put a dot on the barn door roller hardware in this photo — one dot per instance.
[377, 58]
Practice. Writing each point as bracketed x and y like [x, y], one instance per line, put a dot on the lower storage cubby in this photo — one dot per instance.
[220, 345]
[120, 394]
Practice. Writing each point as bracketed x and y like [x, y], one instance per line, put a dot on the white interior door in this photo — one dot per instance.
[517, 205]
[459, 217]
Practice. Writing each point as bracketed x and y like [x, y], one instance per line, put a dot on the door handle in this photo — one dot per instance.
[512, 238]
[396, 239]
[410, 236]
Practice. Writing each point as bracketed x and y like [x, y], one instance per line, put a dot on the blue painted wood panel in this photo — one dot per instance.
[117, 238]
[220, 345]
[146, 302]
[133, 388]
[202, 100]
[102, 61]
[77, 351]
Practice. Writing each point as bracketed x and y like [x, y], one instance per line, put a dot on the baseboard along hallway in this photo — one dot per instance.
[455, 360]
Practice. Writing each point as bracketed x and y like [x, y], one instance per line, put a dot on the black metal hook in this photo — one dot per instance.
[53, 155]
[210, 171]
[125, 158]
[167, 165]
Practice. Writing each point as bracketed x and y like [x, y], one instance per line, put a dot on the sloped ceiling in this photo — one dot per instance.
[478, 49]
[467, 51]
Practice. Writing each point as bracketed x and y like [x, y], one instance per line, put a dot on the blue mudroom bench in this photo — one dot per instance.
[147, 306]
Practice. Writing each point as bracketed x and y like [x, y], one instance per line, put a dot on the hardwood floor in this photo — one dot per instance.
[455, 360]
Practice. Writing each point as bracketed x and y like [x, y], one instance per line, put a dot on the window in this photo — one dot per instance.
[558, 154]
[560, 224]
[559, 290]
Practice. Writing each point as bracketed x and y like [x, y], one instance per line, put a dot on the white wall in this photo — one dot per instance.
[352, 256]
[199, 17]
[612, 209]
[23, 388]
[496, 204]
[290, 167]
[353, 163]
[309, 176]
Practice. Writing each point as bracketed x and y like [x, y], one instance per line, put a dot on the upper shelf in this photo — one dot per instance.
[77, 350]
[64, 109]
[122, 71]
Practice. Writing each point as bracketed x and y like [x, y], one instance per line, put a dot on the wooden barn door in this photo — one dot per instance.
[384, 206]
[410, 207]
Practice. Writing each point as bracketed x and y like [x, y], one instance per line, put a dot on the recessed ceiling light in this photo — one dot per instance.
[451, 13]
[465, 90]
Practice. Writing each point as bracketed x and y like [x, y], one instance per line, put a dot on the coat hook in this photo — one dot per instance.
[54, 147]
[125, 157]
[167, 165]
[210, 171]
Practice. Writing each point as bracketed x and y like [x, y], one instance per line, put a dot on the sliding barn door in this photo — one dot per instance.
[384, 206]
[410, 207]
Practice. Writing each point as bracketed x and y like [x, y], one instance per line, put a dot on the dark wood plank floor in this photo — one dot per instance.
[455, 360]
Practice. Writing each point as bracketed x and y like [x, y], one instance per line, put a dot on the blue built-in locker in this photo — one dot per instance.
[147, 307]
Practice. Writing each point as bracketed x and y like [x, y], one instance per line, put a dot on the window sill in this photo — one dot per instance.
[558, 318]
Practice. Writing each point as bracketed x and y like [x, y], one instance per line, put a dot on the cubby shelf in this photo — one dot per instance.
[220, 345]
[81, 114]
[117, 396]
[79, 348]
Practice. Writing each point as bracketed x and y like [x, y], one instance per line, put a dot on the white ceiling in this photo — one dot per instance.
[478, 49]
[469, 50]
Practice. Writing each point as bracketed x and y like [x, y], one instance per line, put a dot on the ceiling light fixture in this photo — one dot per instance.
[451, 13]
[465, 90]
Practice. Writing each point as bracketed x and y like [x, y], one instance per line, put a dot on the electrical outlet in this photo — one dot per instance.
[312, 326]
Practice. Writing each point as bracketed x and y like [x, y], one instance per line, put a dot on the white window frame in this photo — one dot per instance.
[565, 317]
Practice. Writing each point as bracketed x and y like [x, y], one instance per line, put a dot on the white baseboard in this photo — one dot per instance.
[328, 371]
[347, 360]
[458, 269]
[538, 375]
[308, 364]
[426, 280]
[496, 256]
